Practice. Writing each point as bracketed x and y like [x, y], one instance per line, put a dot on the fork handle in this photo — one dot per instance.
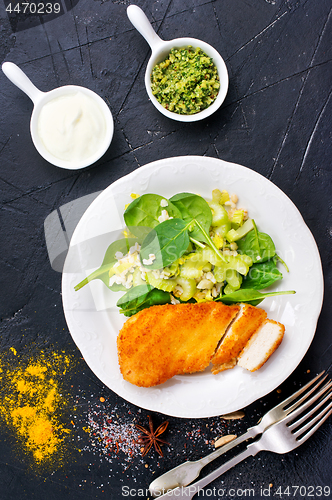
[251, 432]
[187, 472]
[190, 491]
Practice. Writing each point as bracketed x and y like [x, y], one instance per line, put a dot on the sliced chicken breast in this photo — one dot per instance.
[243, 327]
[261, 345]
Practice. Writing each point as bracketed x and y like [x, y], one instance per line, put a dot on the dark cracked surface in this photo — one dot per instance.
[276, 120]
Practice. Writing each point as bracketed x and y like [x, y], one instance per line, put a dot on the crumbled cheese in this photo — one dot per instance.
[178, 291]
[216, 290]
[164, 216]
[230, 204]
[205, 284]
[210, 276]
[149, 261]
[228, 251]
[164, 203]
[135, 248]
[200, 295]
[112, 280]
[118, 279]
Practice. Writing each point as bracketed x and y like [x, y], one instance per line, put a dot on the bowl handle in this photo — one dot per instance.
[139, 20]
[20, 79]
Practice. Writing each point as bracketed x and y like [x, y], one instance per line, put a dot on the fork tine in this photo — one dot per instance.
[308, 415]
[308, 402]
[299, 392]
[319, 420]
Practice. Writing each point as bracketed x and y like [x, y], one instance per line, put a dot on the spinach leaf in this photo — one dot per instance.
[142, 214]
[259, 246]
[140, 297]
[249, 295]
[167, 242]
[262, 275]
[194, 207]
[109, 260]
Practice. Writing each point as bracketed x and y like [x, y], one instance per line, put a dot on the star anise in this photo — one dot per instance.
[150, 437]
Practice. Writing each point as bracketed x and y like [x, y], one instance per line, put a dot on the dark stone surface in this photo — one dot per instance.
[276, 120]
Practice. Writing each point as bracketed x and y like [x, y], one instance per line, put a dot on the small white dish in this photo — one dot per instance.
[39, 99]
[160, 50]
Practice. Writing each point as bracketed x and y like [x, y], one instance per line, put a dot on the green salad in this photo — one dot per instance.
[186, 248]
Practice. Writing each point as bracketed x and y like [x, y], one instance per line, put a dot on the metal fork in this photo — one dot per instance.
[186, 473]
[281, 437]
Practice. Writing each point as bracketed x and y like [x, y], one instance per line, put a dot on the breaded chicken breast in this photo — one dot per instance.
[249, 319]
[162, 341]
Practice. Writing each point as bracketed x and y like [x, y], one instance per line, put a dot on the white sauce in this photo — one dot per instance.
[72, 127]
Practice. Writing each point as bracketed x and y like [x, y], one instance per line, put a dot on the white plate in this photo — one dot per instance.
[94, 320]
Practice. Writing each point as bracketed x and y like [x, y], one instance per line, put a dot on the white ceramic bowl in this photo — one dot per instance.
[39, 99]
[160, 49]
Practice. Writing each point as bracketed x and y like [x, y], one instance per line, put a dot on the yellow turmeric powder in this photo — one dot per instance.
[32, 401]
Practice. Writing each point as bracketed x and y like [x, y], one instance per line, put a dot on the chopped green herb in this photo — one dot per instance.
[186, 82]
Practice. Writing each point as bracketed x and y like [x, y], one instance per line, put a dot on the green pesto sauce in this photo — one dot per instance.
[186, 82]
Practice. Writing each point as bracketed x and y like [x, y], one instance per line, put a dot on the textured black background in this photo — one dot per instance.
[276, 120]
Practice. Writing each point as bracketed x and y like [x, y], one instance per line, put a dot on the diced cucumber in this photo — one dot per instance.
[223, 229]
[137, 277]
[220, 196]
[210, 255]
[246, 259]
[233, 278]
[237, 218]
[173, 269]
[216, 195]
[234, 235]
[191, 269]
[220, 273]
[167, 285]
[188, 286]
[224, 197]
[219, 214]
[236, 262]
[229, 289]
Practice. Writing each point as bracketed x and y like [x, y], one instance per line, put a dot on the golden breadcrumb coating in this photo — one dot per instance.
[162, 341]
